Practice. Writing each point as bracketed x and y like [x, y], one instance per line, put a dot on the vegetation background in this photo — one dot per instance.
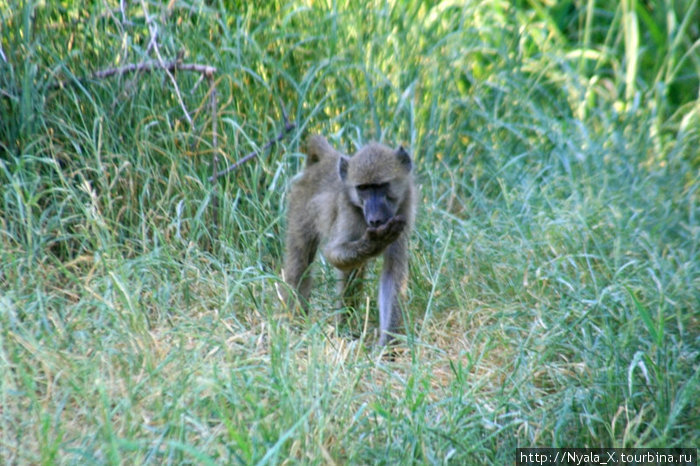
[554, 297]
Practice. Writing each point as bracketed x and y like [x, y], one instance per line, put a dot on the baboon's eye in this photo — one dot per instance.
[371, 187]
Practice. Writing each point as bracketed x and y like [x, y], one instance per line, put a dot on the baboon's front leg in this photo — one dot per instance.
[391, 285]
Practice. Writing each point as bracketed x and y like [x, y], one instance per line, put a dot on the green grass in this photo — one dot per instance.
[554, 296]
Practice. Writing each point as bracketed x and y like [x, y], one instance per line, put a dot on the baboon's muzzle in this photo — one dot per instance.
[376, 211]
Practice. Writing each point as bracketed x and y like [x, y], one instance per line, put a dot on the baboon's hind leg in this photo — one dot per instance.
[297, 271]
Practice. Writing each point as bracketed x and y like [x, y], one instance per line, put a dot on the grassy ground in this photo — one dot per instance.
[554, 297]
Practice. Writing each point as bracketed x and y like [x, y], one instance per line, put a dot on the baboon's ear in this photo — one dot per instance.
[343, 167]
[404, 158]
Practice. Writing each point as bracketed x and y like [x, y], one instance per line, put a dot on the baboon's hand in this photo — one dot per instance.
[389, 232]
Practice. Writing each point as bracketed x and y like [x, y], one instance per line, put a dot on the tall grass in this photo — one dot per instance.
[553, 298]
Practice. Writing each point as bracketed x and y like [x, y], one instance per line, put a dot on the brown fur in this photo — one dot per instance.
[327, 209]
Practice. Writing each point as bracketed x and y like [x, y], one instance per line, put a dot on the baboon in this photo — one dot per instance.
[354, 208]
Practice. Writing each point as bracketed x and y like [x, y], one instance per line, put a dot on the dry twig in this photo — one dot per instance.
[206, 70]
[148, 66]
[287, 128]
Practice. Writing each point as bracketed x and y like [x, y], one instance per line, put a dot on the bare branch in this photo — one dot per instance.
[153, 29]
[287, 128]
[205, 70]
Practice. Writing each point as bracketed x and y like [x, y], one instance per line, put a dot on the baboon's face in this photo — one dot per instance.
[376, 179]
[377, 202]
